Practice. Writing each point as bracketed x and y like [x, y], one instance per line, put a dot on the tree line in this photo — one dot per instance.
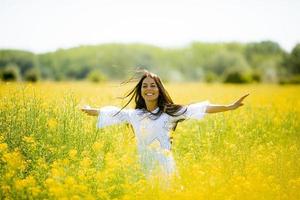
[263, 61]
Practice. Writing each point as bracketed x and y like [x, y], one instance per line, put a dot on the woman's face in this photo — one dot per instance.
[150, 91]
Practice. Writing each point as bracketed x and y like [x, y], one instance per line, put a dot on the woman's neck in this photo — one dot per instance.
[151, 105]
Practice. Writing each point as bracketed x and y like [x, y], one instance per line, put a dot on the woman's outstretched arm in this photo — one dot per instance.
[221, 108]
[90, 111]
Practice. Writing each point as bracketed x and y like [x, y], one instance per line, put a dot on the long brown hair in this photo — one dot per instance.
[165, 103]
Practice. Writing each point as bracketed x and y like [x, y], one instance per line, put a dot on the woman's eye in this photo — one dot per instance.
[153, 86]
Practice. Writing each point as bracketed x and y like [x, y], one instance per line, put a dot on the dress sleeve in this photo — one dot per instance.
[196, 110]
[193, 111]
[108, 116]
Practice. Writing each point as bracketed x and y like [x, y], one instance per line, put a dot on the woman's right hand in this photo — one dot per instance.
[90, 111]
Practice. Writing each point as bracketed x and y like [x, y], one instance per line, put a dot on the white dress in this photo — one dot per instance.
[152, 133]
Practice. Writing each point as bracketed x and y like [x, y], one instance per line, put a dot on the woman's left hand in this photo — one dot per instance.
[238, 103]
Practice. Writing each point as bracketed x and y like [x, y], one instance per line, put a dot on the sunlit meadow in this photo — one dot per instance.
[49, 149]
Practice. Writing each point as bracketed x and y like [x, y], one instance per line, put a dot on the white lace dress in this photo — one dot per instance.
[152, 134]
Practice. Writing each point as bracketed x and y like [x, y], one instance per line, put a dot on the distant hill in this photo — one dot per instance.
[263, 61]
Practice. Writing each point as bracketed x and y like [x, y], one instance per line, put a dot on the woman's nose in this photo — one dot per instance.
[150, 90]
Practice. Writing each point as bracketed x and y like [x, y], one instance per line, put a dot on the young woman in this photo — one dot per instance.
[154, 116]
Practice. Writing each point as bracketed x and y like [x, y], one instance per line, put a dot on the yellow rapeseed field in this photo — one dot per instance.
[49, 149]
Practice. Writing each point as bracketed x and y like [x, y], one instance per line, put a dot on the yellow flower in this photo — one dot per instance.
[1, 137]
[57, 191]
[293, 148]
[35, 191]
[14, 160]
[97, 146]
[50, 182]
[9, 174]
[75, 197]
[28, 139]
[73, 154]
[27, 182]
[82, 188]
[57, 172]
[70, 181]
[3, 147]
[52, 123]
[41, 163]
[65, 162]
[86, 162]
[19, 184]
[5, 188]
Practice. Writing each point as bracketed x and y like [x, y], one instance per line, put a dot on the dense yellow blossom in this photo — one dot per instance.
[50, 150]
[14, 160]
[73, 154]
[3, 147]
[52, 123]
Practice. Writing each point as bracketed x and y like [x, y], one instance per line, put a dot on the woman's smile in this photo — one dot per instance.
[149, 94]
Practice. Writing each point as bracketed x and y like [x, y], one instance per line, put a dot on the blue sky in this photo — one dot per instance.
[45, 25]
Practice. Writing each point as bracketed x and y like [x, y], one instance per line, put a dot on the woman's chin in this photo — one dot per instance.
[150, 99]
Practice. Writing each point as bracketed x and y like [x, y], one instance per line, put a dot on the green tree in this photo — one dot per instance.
[293, 62]
[237, 76]
[96, 76]
[23, 59]
[10, 72]
[224, 60]
[32, 75]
